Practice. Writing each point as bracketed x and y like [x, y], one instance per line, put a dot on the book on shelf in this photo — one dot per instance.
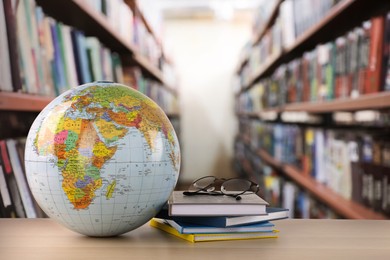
[5, 196]
[21, 181]
[190, 228]
[201, 205]
[46, 52]
[5, 62]
[164, 226]
[16, 200]
[386, 54]
[374, 68]
[273, 213]
[10, 18]
[16, 196]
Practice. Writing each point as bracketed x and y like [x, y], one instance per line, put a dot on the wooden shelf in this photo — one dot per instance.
[156, 73]
[369, 101]
[269, 22]
[268, 66]
[259, 35]
[380, 100]
[339, 204]
[10, 101]
[342, 17]
[79, 14]
[344, 207]
[134, 7]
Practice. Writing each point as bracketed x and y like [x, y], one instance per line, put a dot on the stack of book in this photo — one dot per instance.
[215, 218]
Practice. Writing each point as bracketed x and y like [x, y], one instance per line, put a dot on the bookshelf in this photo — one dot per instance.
[139, 66]
[342, 16]
[338, 21]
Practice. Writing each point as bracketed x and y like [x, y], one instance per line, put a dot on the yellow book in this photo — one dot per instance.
[162, 225]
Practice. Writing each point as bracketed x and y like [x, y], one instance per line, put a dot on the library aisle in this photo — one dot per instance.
[291, 94]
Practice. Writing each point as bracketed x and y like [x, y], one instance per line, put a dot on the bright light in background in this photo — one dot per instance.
[221, 9]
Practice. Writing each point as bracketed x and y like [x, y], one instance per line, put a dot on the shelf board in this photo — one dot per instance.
[369, 101]
[380, 100]
[93, 23]
[344, 207]
[10, 101]
[339, 204]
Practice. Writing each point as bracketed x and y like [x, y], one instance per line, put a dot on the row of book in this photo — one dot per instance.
[291, 21]
[16, 198]
[202, 218]
[276, 189]
[352, 65]
[46, 57]
[55, 57]
[267, 48]
[129, 25]
[354, 165]
[299, 15]
[295, 16]
[262, 15]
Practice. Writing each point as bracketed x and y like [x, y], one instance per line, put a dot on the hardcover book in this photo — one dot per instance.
[228, 221]
[203, 205]
[190, 228]
[162, 225]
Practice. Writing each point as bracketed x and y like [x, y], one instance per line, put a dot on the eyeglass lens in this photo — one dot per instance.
[234, 186]
[205, 183]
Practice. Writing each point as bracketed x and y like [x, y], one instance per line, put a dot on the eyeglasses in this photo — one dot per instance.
[233, 187]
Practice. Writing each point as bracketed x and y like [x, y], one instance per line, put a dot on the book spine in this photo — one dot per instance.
[5, 65]
[11, 181]
[10, 18]
[373, 83]
[21, 179]
[386, 55]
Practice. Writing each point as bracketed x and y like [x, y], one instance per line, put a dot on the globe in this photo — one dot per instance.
[102, 159]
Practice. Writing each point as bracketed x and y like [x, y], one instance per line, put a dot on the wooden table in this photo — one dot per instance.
[298, 239]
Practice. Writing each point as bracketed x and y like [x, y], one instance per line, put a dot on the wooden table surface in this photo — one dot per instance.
[298, 239]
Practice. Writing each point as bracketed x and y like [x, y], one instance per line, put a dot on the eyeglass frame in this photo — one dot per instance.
[205, 191]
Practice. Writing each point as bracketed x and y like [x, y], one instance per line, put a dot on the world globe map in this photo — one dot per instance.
[102, 159]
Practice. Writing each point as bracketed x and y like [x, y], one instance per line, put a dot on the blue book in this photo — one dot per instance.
[81, 57]
[190, 228]
[58, 63]
[228, 221]
[164, 226]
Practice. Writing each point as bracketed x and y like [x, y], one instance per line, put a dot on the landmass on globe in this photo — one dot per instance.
[83, 130]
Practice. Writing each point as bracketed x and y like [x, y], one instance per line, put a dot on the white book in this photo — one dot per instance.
[69, 57]
[21, 179]
[5, 196]
[207, 205]
[5, 63]
[25, 50]
[288, 23]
